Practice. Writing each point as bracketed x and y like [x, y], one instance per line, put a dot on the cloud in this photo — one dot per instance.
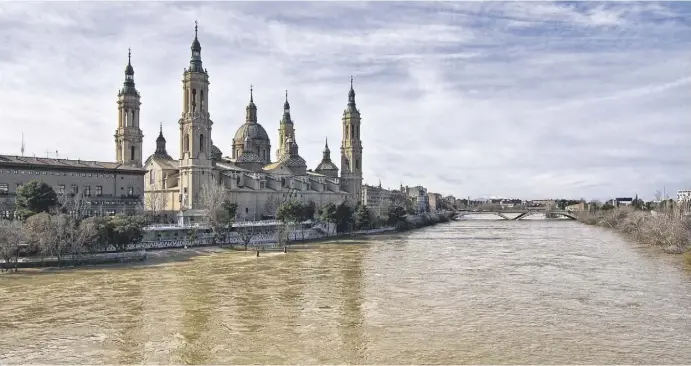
[521, 99]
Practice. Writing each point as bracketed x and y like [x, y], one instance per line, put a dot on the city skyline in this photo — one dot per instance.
[531, 100]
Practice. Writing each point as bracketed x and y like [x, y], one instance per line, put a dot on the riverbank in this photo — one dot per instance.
[668, 230]
[183, 250]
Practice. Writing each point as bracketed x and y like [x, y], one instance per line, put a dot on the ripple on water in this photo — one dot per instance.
[480, 291]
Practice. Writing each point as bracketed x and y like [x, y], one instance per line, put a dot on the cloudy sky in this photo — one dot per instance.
[519, 99]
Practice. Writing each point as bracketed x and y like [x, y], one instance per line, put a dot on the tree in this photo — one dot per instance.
[214, 199]
[658, 196]
[35, 197]
[289, 213]
[11, 237]
[272, 204]
[246, 233]
[396, 215]
[344, 217]
[156, 202]
[120, 230]
[75, 205]
[328, 215]
[362, 217]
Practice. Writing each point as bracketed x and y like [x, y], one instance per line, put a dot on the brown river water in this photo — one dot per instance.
[476, 291]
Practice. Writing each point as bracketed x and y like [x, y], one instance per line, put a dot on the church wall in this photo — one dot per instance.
[253, 204]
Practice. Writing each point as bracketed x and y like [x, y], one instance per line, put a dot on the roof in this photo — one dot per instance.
[254, 130]
[326, 165]
[66, 164]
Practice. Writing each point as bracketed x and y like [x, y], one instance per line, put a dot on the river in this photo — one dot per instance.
[475, 291]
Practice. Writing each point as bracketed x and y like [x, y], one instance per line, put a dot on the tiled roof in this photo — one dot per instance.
[24, 161]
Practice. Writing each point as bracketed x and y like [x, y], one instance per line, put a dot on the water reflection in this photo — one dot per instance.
[469, 292]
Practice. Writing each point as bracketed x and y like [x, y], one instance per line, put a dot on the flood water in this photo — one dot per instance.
[476, 291]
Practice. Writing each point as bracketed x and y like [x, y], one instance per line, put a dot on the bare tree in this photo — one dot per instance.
[213, 197]
[74, 204]
[272, 204]
[156, 202]
[11, 236]
[246, 234]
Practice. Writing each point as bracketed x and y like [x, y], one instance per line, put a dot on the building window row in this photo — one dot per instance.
[45, 172]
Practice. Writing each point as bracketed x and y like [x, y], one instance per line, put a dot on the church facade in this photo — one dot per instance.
[254, 179]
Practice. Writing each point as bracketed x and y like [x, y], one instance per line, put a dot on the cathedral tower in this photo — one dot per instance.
[285, 130]
[195, 130]
[351, 149]
[128, 136]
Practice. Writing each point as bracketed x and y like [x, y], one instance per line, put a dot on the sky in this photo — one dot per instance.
[513, 99]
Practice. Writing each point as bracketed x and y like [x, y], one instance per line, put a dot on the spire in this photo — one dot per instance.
[286, 112]
[286, 105]
[160, 134]
[196, 60]
[351, 94]
[128, 85]
[326, 154]
[251, 109]
[161, 145]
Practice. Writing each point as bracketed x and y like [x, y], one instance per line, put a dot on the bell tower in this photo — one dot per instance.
[195, 129]
[351, 149]
[285, 130]
[128, 135]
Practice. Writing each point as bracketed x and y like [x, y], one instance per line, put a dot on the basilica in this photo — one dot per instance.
[255, 181]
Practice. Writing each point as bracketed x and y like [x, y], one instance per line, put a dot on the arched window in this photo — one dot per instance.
[133, 124]
[357, 163]
[194, 100]
[201, 100]
[131, 152]
[186, 143]
[352, 133]
[201, 143]
[187, 100]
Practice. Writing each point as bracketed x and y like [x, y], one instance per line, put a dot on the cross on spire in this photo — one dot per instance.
[351, 81]
[286, 95]
[129, 55]
[251, 93]
[161, 128]
[195, 28]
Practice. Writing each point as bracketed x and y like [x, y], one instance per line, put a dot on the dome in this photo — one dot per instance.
[216, 153]
[253, 130]
[326, 165]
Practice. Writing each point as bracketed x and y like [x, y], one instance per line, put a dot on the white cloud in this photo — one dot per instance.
[472, 99]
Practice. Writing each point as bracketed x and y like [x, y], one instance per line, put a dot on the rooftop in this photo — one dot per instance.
[25, 161]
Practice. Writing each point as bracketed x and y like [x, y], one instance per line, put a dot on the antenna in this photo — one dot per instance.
[22, 149]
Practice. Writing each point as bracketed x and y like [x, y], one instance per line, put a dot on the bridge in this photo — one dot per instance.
[520, 214]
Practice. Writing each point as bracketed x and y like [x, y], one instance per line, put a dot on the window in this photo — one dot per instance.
[201, 143]
[4, 188]
[99, 191]
[87, 191]
[130, 191]
[194, 100]
[186, 143]
[132, 153]
[61, 189]
[247, 209]
[201, 100]
[357, 163]
[74, 189]
[152, 180]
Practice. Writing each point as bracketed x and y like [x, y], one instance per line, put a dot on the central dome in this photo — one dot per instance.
[255, 131]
